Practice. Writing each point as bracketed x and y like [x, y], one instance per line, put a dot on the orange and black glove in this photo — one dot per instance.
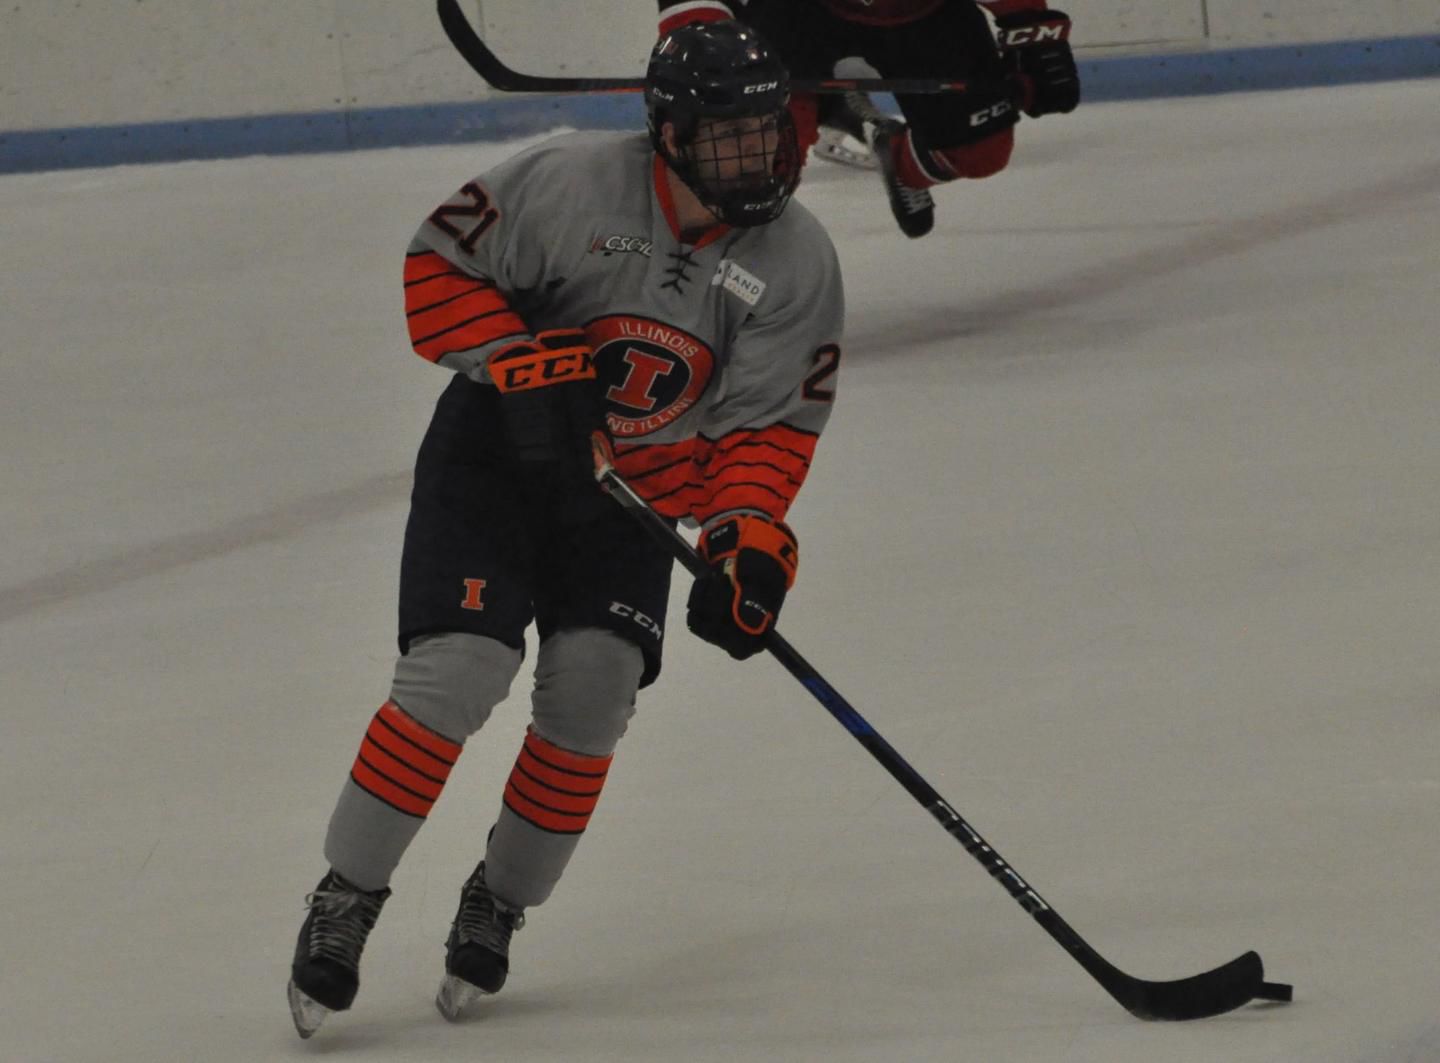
[752, 564]
[551, 403]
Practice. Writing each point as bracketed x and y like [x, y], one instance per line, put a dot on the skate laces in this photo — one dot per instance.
[914, 200]
[343, 919]
[481, 921]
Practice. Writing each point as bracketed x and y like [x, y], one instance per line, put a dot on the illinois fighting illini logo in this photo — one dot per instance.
[651, 373]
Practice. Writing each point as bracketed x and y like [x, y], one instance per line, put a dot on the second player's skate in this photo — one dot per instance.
[477, 952]
[914, 209]
[847, 126]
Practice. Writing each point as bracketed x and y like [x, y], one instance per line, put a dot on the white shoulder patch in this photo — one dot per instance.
[738, 280]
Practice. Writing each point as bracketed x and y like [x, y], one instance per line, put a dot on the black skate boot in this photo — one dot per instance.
[913, 208]
[477, 952]
[326, 970]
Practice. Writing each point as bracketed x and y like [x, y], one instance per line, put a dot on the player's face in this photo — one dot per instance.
[733, 152]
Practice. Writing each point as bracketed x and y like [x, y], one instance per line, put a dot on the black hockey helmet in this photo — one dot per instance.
[707, 79]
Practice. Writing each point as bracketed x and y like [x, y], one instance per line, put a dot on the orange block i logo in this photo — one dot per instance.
[473, 587]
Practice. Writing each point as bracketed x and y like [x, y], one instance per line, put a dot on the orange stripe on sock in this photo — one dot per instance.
[402, 762]
[402, 749]
[544, 818]
[437, 745]
[399, 772]
[564, 781]
[564, 760]
[554, 789]
[559, 800]
[398, 798]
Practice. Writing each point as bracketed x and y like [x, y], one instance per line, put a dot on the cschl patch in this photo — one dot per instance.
[734, 278]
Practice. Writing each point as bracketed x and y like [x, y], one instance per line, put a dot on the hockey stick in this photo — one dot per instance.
[1212, 993]
[485, 63]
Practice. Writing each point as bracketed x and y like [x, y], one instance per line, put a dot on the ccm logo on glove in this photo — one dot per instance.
[552, 357]
[1021, 35]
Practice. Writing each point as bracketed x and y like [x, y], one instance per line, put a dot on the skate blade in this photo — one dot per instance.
[847, 151]
[307, 1013]
[455, 996]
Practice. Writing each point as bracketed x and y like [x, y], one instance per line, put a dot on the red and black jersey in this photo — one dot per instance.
[675, 13]
[881, 12]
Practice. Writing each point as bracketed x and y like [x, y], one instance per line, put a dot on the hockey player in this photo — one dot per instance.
[664, 291]
[946, 136]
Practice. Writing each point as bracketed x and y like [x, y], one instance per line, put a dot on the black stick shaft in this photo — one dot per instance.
[488, 65]
[809, 677]
[1211, 993]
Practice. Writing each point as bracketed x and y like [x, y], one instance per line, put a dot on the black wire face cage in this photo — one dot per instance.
[745, 169]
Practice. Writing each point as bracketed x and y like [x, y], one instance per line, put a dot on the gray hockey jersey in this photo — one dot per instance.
[717, 357]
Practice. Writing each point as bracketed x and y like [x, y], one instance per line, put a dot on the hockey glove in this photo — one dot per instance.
[752, 565]
[1035, 45]
[551, 404]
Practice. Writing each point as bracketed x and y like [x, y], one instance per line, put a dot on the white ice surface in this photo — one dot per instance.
[1124, 533]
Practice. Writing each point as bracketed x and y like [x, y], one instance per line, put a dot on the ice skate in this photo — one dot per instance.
[913, 208]
[838, 146]
[325, 973]
[847, 126]
[477, 952]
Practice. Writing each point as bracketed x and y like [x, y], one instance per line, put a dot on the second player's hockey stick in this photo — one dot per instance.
[1212, 993]
[485, 63]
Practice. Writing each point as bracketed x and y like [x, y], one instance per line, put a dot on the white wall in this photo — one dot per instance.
[1240, 22]
[106, 62]
[96, 62]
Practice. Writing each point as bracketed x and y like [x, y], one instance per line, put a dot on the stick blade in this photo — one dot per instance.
[1201, 996]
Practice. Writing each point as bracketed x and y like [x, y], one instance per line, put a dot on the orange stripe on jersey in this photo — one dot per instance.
[768, 490]
[774, 504]
[402, 762]
[667, 475]
[634, 461]
[554, 789]
[422, 266]
[759, 469]
[455, 310]
[441, 287]
[448, 310]
[468, 334]
[770, 473]
[780, 436]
